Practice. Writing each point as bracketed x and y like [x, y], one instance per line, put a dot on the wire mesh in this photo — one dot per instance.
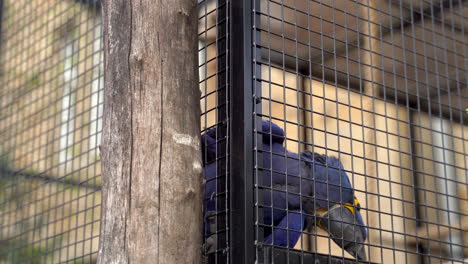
[381, 86]
[214, 83]
[51, 99]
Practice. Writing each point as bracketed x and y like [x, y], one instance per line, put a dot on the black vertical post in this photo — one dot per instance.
[258, 138]
[416, 189]
[242, 236]
[223, 112]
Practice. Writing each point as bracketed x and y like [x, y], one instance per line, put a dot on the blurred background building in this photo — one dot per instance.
[51, 97]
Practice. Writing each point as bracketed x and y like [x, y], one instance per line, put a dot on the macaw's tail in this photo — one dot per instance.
[344, 229]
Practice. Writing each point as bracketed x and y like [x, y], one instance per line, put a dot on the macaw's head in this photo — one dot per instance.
[271, 132]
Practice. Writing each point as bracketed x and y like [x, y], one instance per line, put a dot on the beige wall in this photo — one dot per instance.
[282, 102]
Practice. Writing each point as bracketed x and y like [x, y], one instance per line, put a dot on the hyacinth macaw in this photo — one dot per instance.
[295, 187]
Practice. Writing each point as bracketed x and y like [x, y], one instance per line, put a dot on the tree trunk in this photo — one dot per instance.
[151, 162]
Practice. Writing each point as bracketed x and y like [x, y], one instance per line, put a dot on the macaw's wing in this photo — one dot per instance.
[272, 133]
[208, 140]
[209, 173]
[288, 230]
[285, 183]
[208, 146]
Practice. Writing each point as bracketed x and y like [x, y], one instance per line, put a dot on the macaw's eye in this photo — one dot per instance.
[356, 204]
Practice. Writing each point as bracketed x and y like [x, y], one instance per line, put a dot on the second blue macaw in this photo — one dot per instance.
[295, 187]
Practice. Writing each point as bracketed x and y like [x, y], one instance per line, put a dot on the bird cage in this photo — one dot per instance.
[334, 131]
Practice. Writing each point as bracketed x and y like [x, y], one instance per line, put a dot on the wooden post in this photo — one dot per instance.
[151, 162]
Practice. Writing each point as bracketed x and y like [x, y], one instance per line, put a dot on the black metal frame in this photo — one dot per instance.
[241, 133]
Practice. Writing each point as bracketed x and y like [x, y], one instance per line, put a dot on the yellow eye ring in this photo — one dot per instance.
[353, 207]
[356, 204]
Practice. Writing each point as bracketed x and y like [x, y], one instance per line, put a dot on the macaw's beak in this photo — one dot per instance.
[345, 230]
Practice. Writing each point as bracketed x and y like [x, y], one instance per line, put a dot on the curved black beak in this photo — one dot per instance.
[344, 229]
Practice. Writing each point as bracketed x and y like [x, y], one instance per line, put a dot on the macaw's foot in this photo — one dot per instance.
[210, 244]
[343, 228]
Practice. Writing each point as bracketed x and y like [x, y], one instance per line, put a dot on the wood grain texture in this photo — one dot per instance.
[152, 172]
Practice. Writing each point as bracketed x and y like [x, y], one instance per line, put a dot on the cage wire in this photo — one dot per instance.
[285, 86]
[380, 85]
[213, 28]
[51, 98]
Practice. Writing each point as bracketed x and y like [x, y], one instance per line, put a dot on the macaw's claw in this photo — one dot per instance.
[344, 229]
[210, 244]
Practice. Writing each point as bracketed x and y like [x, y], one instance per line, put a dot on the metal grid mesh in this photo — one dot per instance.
[214, 85]
[381, 85]
[50, 110]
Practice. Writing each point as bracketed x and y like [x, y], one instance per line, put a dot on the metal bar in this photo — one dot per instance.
[223, 113]
[279, 255]
[419, 211]
[241, 133]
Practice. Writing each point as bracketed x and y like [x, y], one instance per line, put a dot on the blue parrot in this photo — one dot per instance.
[294, 188]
